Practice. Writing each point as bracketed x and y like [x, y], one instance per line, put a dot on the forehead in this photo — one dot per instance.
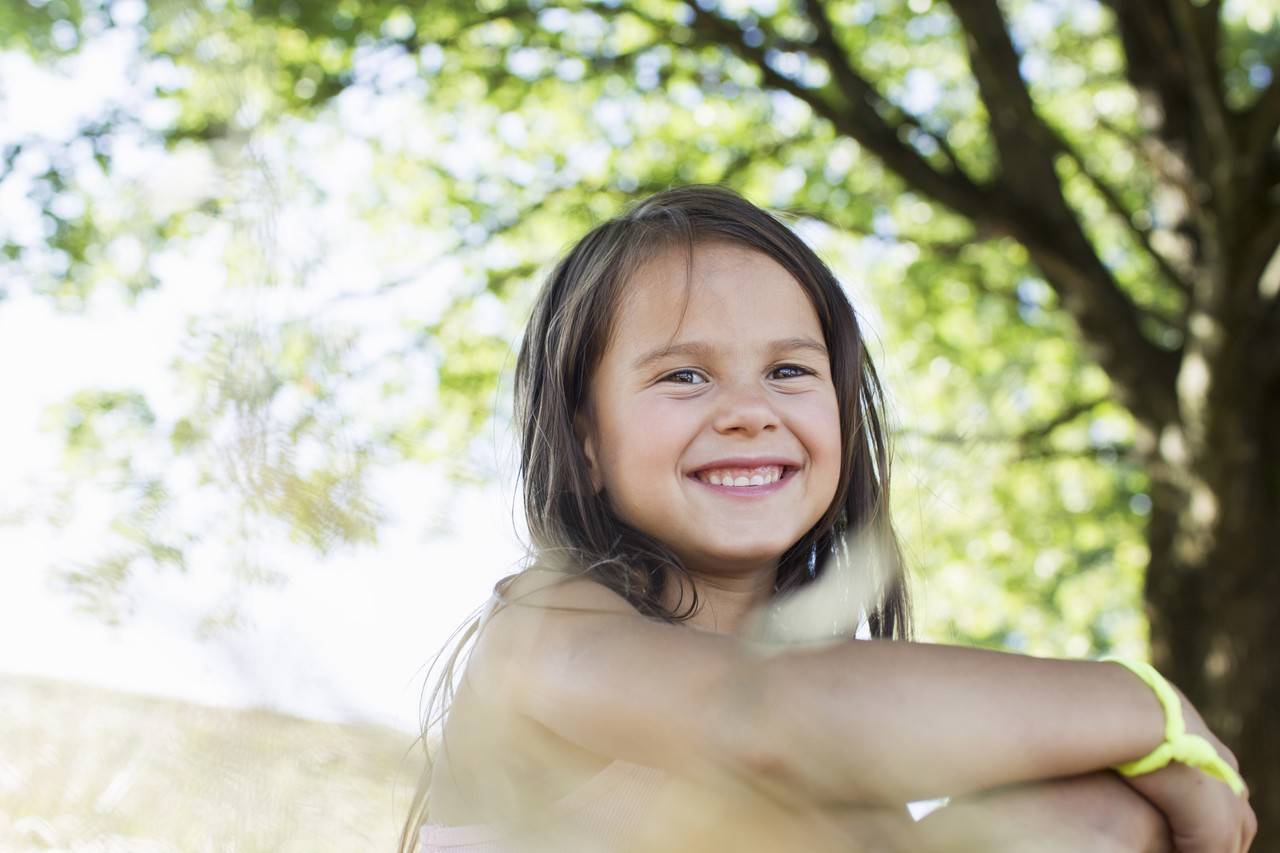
[729, 286]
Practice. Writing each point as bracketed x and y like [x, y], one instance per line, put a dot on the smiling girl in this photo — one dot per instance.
[706, 485]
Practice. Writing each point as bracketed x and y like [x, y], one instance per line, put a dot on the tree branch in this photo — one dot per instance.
[1041, 219]
[1033, 435]
[1070, 413]
[1262, 120]
[1145, 375]
[1167, 165]
[1140, 234]
[860, 121]
[856, 87]
[1197, 31]
[1101, 452]
[1156, 68]
[1032, 444]
[1024, 142]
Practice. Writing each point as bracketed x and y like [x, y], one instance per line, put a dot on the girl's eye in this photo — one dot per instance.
[792, 371]
[685, 377]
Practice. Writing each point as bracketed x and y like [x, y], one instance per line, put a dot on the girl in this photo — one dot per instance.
[706, 484]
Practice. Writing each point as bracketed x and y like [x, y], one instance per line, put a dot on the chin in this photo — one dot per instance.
[746, 556]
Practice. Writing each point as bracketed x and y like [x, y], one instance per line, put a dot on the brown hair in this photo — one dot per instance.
[572, 527]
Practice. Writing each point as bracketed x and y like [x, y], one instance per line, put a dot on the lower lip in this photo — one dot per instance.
[748, 492]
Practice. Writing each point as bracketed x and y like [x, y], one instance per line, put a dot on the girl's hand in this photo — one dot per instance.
[1204, 815]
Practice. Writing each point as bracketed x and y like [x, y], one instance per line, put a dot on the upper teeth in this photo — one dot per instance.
[742, 476]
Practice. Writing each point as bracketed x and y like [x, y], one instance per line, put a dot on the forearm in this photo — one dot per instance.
[1096, 812]
[878, 722]
[857, 723]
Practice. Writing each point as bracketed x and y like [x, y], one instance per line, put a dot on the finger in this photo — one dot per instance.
[1227, 755]
[1250, 827]
[1242, 827]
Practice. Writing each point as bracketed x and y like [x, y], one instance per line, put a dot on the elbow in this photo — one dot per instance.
[769, 737]
[1131, 820]
[766, 766]
[747, 738]
[819, 779]
[756, 763]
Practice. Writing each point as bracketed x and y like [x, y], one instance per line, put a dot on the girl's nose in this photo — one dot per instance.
[744, 408]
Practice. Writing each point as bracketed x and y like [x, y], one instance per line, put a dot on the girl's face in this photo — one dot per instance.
[717, 433]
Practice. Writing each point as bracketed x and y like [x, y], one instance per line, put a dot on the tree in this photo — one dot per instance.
[1173, 290]
[1110, 166]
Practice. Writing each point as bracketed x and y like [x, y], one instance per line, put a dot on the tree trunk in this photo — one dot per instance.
[1213, 583]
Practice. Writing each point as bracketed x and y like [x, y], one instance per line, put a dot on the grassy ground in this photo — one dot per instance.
[84, 769]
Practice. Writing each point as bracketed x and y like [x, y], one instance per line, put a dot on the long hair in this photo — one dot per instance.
[571, 526]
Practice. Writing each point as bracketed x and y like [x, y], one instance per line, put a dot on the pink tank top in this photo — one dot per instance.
[605, 809]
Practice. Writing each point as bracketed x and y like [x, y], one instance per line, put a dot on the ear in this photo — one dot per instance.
[584, 429]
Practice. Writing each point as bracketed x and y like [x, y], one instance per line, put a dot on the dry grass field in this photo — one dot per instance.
[85, 769]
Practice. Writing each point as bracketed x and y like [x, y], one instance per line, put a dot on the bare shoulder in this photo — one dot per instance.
[569, 656]
[532, 617]
[524, 642]
[497, 743]
[549, 589]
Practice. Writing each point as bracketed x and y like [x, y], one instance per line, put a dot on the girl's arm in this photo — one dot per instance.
[1099, 812]
[862, 722]
[1096, 812]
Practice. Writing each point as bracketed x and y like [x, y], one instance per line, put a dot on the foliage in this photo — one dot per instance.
[511, 127]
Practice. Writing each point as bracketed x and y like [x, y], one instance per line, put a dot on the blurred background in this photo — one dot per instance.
[263, 270]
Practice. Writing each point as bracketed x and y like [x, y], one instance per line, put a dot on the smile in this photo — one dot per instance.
[744, 482]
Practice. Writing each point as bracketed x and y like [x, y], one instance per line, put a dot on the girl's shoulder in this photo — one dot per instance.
[516, 762]
[529, 618]
[548, 588]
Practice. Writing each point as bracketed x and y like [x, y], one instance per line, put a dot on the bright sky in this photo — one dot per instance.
[345, 637]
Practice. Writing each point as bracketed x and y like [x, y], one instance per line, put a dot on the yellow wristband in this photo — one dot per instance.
[1179, 745]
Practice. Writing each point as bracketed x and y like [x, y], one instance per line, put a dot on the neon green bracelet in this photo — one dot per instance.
[1179, 745]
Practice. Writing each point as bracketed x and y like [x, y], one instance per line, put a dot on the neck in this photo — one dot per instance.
[724, 601]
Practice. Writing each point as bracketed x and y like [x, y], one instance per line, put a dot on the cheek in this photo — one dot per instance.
[819, 429]
[643, 441]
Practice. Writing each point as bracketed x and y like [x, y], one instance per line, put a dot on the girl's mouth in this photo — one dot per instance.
[745, 482]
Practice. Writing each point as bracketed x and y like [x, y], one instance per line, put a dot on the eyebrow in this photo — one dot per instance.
[704, 351]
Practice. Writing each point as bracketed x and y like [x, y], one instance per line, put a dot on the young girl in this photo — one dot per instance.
[706, 484]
